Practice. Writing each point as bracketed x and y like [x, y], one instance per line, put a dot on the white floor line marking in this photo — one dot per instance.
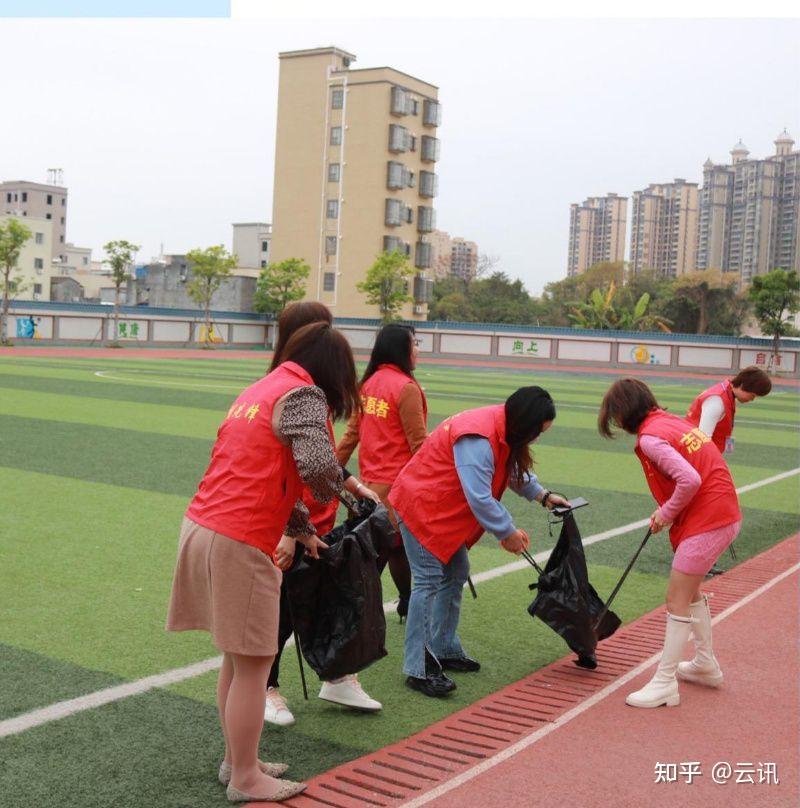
[533, 738]
[105, 374]
[62, 709]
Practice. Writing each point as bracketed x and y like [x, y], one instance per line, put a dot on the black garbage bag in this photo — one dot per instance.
[336, 602]
[567, 602]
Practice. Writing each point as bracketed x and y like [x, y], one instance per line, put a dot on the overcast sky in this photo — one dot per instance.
[165, 129]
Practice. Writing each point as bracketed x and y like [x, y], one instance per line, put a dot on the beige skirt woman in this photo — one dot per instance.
[228, 588]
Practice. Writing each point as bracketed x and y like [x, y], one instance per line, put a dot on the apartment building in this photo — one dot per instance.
[749, 212]
[35, 269]
[251, 246]
[664, 228]
[463, 258]
[596, 232]
[355, 174]
[39, 201]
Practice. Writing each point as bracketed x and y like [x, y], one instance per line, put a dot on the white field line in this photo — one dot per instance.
[62, 709]
[534, 737]
[106, 374]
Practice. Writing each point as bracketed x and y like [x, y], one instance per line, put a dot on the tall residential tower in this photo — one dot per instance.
[596, 232]
[355, 160]
[664, 228]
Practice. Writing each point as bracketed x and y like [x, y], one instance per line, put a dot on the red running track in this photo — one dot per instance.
[224, 353]
[563, 736]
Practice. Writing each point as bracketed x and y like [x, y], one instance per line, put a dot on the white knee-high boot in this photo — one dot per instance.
[704, 668]
[663, 687]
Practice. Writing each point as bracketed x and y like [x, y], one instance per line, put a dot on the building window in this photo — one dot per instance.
[409, 215]
[263, 265]
[264, 246]
[334, 172]
[431, 113]
[426, 219]
[398, 105]
[61, 239]
[337, 99]
[392, 243]
[8, 197]
[394, 213]
[430, 149]
[332, 209]
[37, 288]
[422, 255]
[49, 199]
[428, 184]
[330, 245]
[39, 238]
[38, 263]
[329, 281]
[336, 136]
[85, 261]
[423, 289]
[400, 138]
[62, 220]
[63, 202]
[24, 196]
[48, 216]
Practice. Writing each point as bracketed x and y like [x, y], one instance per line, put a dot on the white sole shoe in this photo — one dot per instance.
[348, 693]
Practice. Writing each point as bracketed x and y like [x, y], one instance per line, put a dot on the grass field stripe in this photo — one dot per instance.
[533, 738]
[106, 374]
[62, 709]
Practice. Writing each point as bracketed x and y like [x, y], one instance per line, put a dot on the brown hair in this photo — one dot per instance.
[295, 316]
[626, 404]
[326, 355]
[753, 380]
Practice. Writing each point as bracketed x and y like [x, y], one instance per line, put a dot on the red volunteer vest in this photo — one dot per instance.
[724, 428]
[251, 483]
[715, 504]
[383, 446]
[427, 494]
[323, 514]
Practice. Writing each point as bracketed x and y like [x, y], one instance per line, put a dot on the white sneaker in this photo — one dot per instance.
[275, 711]
[348, 692]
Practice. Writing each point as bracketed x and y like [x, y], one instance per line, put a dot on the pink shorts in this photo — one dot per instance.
[696, 554]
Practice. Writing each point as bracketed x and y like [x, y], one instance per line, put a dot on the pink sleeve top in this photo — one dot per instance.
[670, 463]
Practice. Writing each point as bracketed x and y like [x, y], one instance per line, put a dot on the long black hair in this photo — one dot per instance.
[393, 346]
[527, 410]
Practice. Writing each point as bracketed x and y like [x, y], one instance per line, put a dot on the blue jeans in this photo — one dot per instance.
[435, 605]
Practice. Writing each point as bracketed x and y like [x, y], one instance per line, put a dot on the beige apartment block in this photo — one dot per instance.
[749, 212]
[251, 242]
[596, 232]
[441, 253]
[35, 268]
[464, 258]
[355, 159]
[39, 201]
[664, 228]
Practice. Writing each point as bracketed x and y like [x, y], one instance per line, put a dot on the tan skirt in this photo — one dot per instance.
[228, 588]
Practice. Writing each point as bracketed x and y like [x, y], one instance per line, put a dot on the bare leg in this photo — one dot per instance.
[682, 590]
[244, 721]
[223, 686]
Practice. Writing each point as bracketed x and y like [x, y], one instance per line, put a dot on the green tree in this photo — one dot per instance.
[280, 284]
[609, 310]
[13, 236]
[498, 299]
[119, 256]
[386, 284]
[210, 267]
[776, 299]
[698, 289]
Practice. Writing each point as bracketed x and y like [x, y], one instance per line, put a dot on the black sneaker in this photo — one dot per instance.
[463, 664]
[435, 685]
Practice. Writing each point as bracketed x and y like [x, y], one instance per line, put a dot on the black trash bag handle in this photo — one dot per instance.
[622, 579]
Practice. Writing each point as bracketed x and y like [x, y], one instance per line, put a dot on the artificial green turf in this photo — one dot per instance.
[95, 473]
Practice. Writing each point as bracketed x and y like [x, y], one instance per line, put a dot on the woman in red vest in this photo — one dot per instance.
[697, 499]
[445, 498]
[714, 409]
[346, 691]
[389, 429]
[273, 440]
